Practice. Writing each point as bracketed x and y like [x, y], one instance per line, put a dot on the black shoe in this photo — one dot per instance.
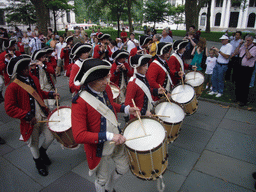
[41, 167]
[44, 156]
[1, 97]
[126, 118]
[2, 141]
[112, 191]
[254, 175]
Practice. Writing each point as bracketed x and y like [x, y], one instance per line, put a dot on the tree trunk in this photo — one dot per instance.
[208, 25]
[118, 24]
[191, 13]
[42, 15]
[54, 20]
[129, 4]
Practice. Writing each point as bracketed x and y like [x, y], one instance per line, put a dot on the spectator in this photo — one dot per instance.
[58, 48]
[42, 39]
[77, 38]
[29, 33]
[25, 42]
[119, 43]
[247, 54]
[221, 67]
[113, 48]
[49, 32]
[198, 53]
[210, 64]
[131, 42]
[49, 39]
[156, 39]
[96, 42]
[165, 36]
[254, 71]
[36, 31]
[98, 32]
[56, 35]
[3, 37]
[86, 39]
[124, 35]
[53, 41]
[232, 37]
[20, 46]
[234, 59]
[190, 46]
[35, 43]
[18, 32]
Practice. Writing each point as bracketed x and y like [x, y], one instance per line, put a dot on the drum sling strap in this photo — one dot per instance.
[31, 91]
[100, 107]
[180, 61]
[168, 75]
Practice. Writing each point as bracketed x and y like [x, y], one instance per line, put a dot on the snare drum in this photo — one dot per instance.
[115, 91]
[62, 129]
[185, 95]
[196, 80]
[147, 155]
[173, 122]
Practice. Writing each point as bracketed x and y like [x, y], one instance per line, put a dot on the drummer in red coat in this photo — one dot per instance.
[120, 72]
[50, 60]
[159, 72]
[79, 53]
[176, 63]
[102, 50]
[138, 87]
[6, 56]
[64, 54]
[24, 101]
[143, 48]
[94, 123]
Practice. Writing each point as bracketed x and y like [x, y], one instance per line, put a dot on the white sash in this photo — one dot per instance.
[146, 90]
[169, 82]
[180, 61]
[100, 107]
[79, 63]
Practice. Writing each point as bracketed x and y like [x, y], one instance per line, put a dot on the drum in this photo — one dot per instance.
[60, 125]
[147, 155]
[172, 115]
[196, 80]
[115, 91]
[185, 95]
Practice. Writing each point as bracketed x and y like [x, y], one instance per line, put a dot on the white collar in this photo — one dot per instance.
[96, 92]
[140, 75]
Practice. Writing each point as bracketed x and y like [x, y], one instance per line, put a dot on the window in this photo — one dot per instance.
[233, 19]
[251, 20]
[2, 22]
[203, 19]
[217, 19]
[252, 3]
[219, 3]
[68, 17]
[236, 4]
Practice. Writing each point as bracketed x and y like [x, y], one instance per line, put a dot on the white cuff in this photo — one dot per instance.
[109, 136]
[126, 110]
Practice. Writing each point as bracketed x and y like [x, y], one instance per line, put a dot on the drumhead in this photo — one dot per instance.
[64, 117]
[115, 90]
[174, 111]
[152, 127]
[182, 94]
[194, 78]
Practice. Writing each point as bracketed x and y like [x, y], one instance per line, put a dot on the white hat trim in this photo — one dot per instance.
[140, 59]
[104, 35]
[161, 52]
[121, 53]
[16, 65]
[37, 53]
[82, 46]
[145, 40]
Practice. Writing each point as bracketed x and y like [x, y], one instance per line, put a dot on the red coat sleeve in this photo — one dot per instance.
[155, 76]
[96, 52]
[114, 77]
[72, 86]
[129, 72]
[2, 61]
[50, 68]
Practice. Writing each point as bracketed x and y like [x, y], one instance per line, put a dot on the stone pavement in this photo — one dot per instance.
[214, 152]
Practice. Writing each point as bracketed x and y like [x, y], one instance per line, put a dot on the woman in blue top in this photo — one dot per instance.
[198, 53]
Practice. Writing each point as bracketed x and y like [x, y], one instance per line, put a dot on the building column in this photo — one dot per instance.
[212, 20]
[245, 16]
[241, 14]
[227, 16]
[222, 21]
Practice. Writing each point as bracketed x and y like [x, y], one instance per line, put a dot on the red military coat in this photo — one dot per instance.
[3, 66]
[86, 125]
[52, 62]
[96, 52]
[64, 54]
[17, 105]
[115, 77]
[74, 70]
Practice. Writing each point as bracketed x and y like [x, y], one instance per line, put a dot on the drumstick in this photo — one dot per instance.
[166, 95]
[57, 101]
[160, 116]
[47, 121]
[182, 79]
[195, 72]
[112, 142]
[139, 117]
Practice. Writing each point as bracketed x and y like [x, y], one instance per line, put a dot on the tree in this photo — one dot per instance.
[208, 16]
[21, 11]
[176, 14]
[58, 7]
[156, 11]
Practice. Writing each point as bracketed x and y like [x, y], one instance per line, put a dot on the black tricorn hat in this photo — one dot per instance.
[139, 60]
[91, 70]
[120, 54]
[80, 48]
[38, 54]
[144, 40]
[179, 44]
[8, 44]
[16, 62]
[163, 48]
[69, 38]
[103, 36]
[49, 49]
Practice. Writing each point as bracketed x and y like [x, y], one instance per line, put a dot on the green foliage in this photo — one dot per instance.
[20, 11]
[176, 14]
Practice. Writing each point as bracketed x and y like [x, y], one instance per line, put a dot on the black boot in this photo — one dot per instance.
[44, 156]
[1, 97]
[41, 167]
[2, 141]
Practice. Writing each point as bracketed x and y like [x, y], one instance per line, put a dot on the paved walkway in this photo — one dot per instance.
[214, 152]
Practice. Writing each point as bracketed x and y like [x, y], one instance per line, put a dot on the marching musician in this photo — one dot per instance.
[45, 74]
[24, 101]
[49, 59]
[102, 51]
[159, 72]
[143, 48]
[120, 72]
[138, 87]
[65, 55]
[79, 53]
[94, 123]
[176, 63]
